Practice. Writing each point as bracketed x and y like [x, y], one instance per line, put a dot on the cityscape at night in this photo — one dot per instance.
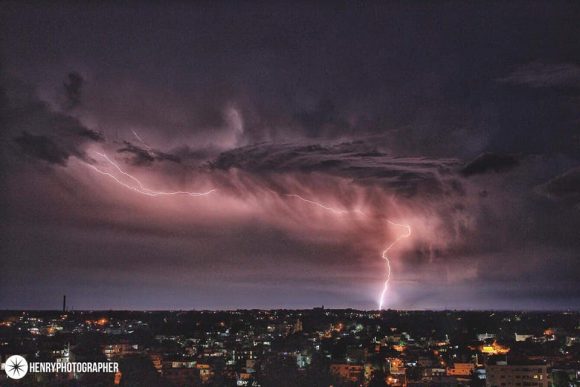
[195, 180]
[314, 347]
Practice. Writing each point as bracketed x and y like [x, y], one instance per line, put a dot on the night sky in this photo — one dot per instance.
[312, 135]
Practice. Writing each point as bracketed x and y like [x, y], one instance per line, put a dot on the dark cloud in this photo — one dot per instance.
[73, 89]
[358, 161]
[90, 134]
[322, 118]
[146, 156]
[382, 105]
[565, 187]
[490, 162]
[43, 148]
[40, 131]
[368, 70]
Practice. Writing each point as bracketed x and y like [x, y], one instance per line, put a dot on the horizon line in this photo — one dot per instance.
[570, 310]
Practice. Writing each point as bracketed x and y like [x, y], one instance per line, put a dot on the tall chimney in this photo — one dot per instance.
[64, 303]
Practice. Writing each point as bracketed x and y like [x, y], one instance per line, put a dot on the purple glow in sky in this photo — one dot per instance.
[302, 130]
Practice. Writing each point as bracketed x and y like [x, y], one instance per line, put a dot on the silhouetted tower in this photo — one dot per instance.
[64, 303]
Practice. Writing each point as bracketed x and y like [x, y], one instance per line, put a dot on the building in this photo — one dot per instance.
[351, 372]
[395, 366]
[503, 374]
[461, 369]
[116, 351]
[523, 337]
[181, 376]
[485, 336]
[205, 372]
[298, 327]
[494, 349]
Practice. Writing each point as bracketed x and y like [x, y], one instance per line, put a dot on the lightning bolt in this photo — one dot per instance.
[321, 205]
[385, 256]
[385, 252]
[138, 186]
[141, 141]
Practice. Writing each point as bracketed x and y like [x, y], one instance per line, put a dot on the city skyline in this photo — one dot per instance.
[316, 347]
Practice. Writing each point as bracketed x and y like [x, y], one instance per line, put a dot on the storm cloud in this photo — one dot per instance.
[73, 89]
[317, 130]
[564, 187]
[490, 162]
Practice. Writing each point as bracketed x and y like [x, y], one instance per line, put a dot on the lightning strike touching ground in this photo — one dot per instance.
[388, 261]
[139, 187]
[384, 255]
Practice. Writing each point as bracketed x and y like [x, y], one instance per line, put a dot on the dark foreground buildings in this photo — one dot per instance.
[318, 347]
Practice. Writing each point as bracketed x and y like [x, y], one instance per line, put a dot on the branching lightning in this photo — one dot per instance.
[138, 186]
[147, 147]
[385, 252]
[321, 205]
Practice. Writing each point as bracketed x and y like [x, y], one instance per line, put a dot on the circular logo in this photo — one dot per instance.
[16, 367]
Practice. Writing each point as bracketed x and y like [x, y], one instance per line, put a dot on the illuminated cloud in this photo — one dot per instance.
[315, 107]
